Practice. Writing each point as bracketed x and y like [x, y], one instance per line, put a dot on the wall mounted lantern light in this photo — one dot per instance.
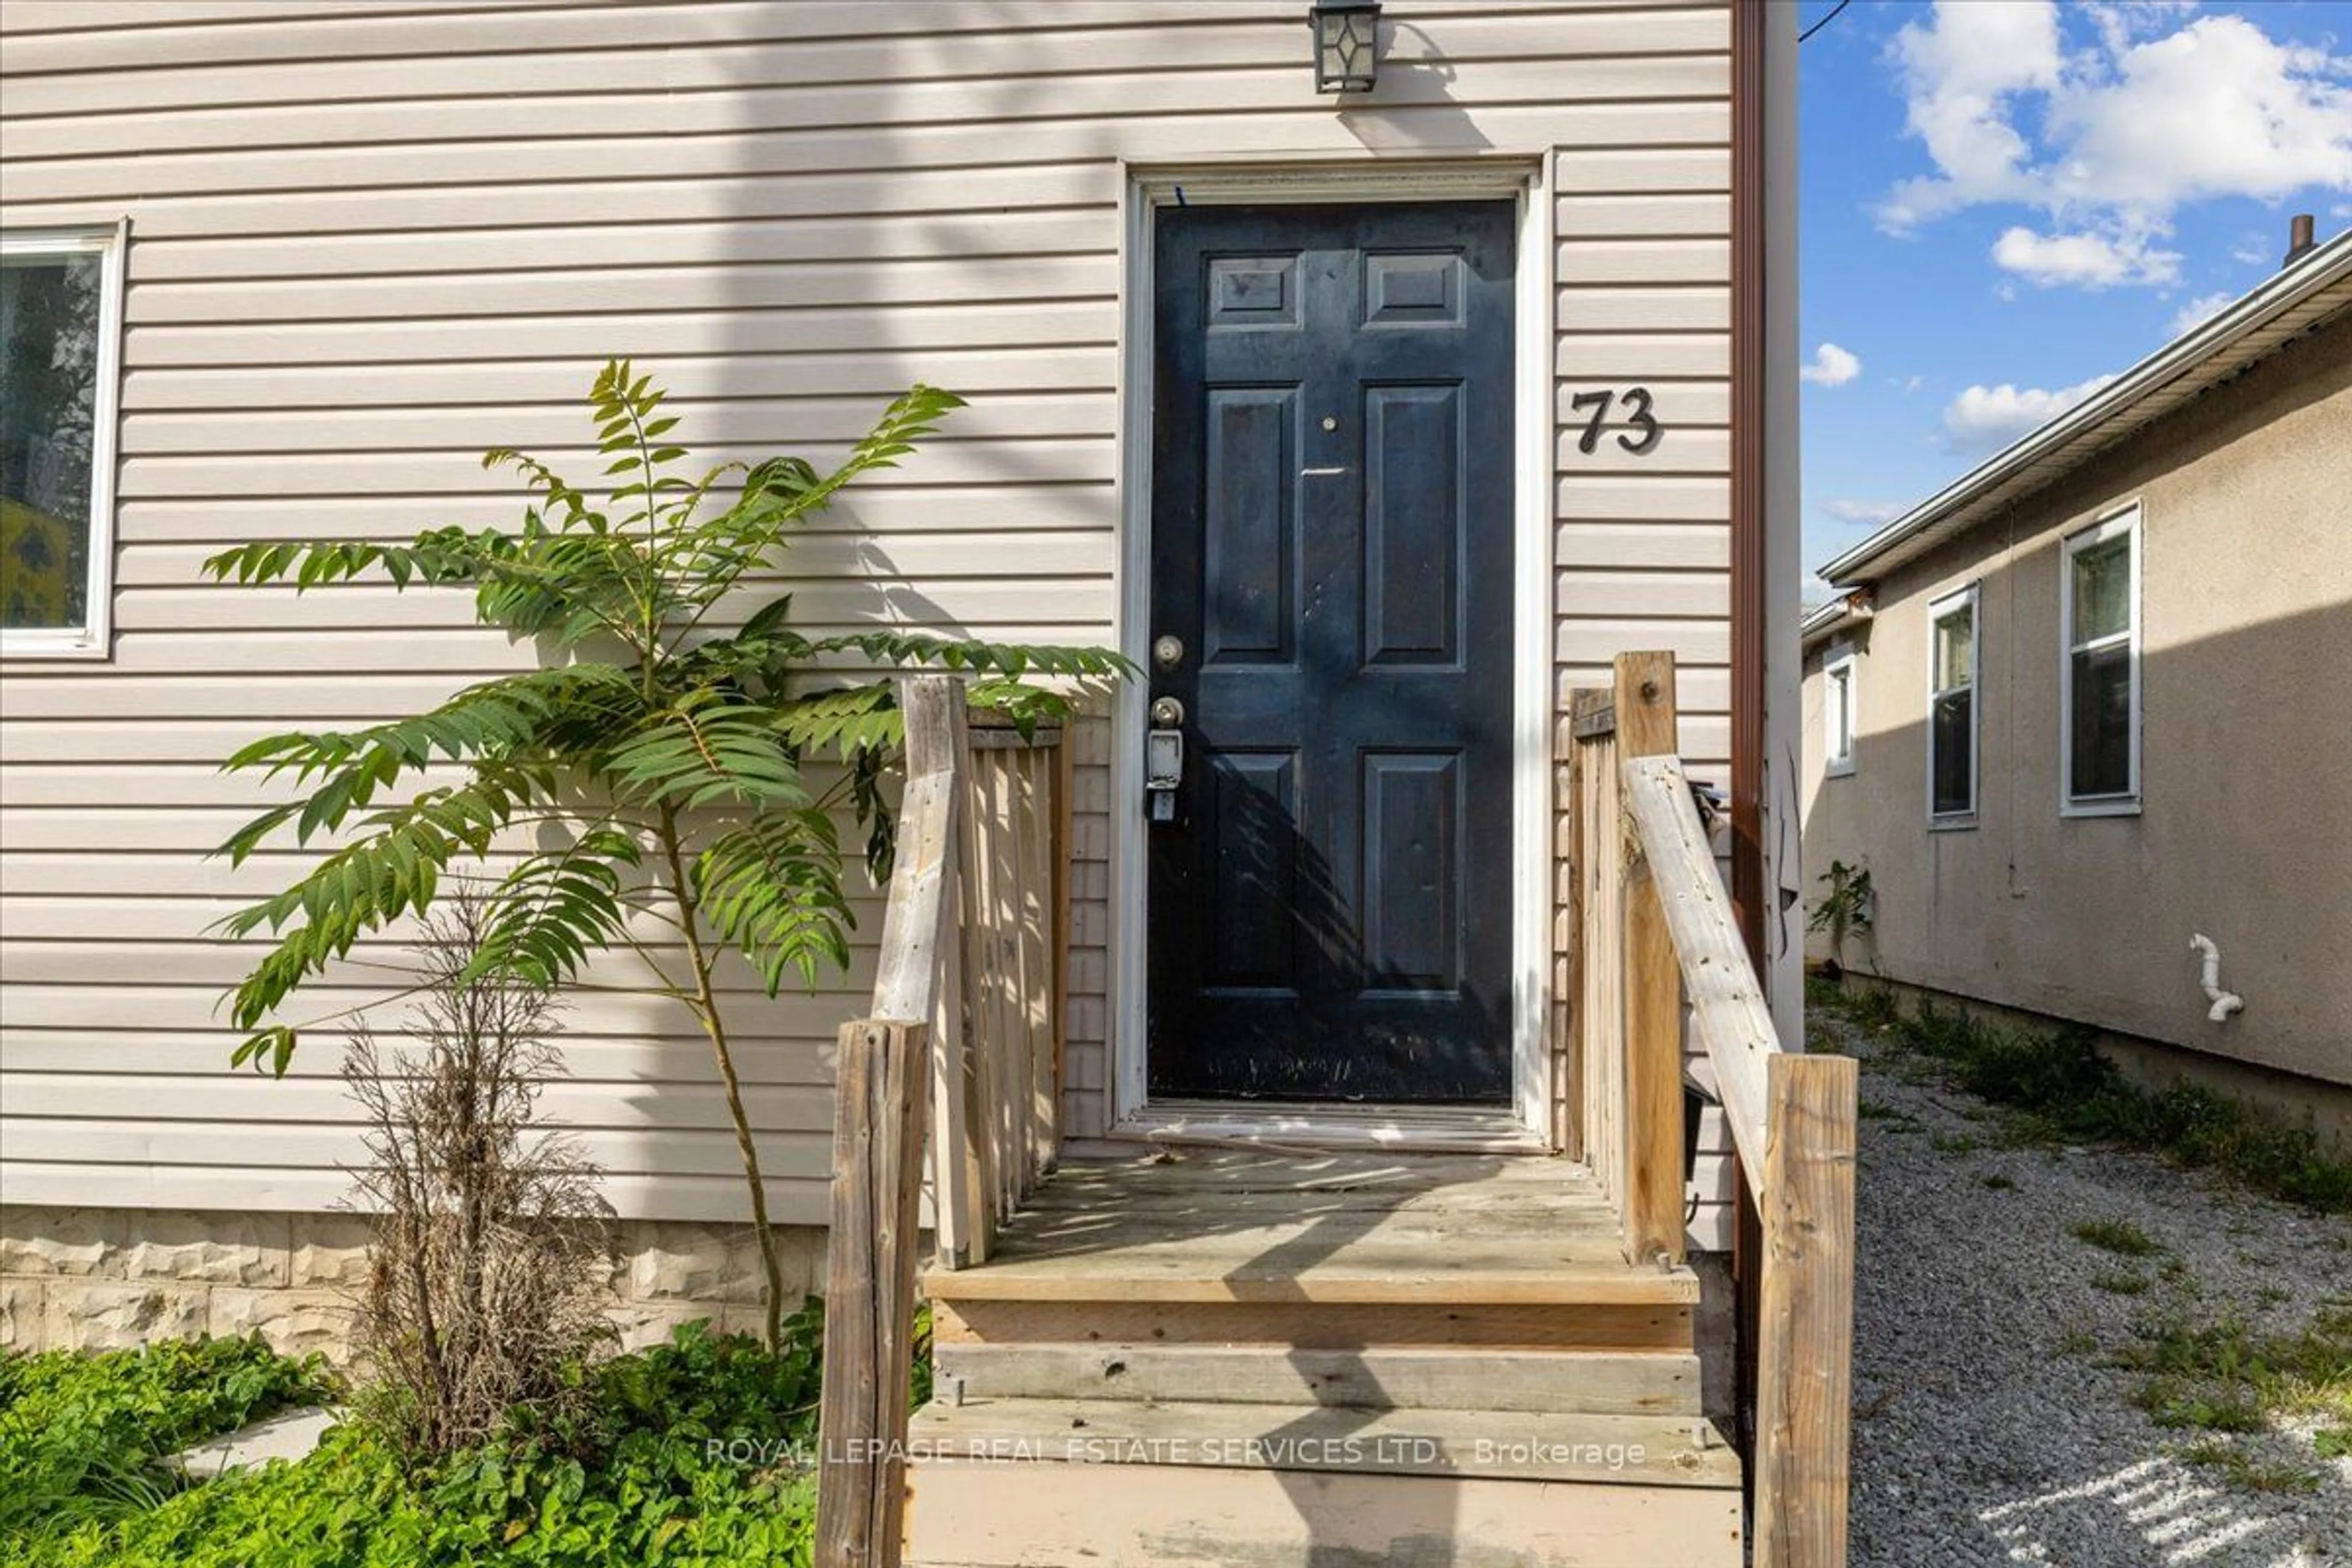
[1347, 44]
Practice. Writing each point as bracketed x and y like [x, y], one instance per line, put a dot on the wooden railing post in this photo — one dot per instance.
[883, 1082]
[869, 1301]
[1653, 1186]
[1805, 1360]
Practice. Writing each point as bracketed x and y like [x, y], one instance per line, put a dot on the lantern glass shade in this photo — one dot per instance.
[1347, 44]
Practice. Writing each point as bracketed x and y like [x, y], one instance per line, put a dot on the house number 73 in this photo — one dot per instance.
[1637, 415]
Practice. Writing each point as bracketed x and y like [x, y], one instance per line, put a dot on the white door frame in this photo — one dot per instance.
[1525, 180]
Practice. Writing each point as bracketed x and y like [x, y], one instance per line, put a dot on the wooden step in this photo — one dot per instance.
[1312, 1325]
[963, 1515]
[1190, 1270]
[1594, 1382]
[1029, 1483]
[1658, 1450]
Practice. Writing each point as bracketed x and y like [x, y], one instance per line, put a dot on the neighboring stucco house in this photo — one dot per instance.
[1513, 327]
[2093, 700]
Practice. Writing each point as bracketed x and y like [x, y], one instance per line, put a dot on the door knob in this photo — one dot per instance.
[1167, 714]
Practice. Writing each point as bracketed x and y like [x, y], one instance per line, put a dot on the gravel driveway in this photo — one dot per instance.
[1987, 1427]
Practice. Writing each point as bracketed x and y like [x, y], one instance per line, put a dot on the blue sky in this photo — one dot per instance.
[2005, 201]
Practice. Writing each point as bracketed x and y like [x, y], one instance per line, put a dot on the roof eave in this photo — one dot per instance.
[2326, 266]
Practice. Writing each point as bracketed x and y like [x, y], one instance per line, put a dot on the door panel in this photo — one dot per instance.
[1246, 524]
[1253, 882]
[1413, 541]
[1413, 873]
[1330, 908]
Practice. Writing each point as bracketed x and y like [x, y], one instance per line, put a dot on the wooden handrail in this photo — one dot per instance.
[1726, 1001]
[963, 1033]
[914, 922]
[1655, 930]
[1792, 1120]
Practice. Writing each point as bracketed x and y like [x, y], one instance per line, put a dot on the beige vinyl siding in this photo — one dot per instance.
[370, 240]
[1643, 544]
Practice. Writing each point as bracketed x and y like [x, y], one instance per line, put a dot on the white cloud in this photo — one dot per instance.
[1832, 366]
[1907, 384]
[2087, 260]
[2214, 110]
[2110, 139]
[2122, 22]
[1986, 419]
[2252, 249]
[2200, 310]
[1869, 511]
[1960, 72]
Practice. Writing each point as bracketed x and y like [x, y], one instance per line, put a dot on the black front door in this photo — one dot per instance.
[1330, 908]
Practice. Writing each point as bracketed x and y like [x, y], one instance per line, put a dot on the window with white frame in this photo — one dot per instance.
[2098, 737]
[1838, 679]
[1952, 707]
[60, 312]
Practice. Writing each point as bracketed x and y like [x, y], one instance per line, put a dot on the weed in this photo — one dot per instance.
[2219, 1373]
[2118, 1282]
[2078, 1341]
[2171, 1403]
[1954, 1143]
[2117, 1236]
[2068, 1093]
[2241, 1469]
[1847, 909]
[1873, 1006]
[1999, 1182]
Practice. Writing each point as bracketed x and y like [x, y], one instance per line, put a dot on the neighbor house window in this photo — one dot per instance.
[1837, 714]
[1952, 709]
[2099, 709]
[59, 325]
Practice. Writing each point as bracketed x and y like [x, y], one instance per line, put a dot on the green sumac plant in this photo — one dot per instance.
[1850, 906]
[655, 784]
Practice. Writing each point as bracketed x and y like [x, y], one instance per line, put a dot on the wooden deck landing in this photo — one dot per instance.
[1219, 1225]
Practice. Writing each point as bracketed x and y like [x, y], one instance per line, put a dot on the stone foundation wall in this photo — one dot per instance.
[106, 1279]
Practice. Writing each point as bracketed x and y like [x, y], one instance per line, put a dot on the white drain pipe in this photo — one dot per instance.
[2224, 1002]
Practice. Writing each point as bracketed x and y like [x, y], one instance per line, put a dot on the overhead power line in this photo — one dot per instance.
[1826, 21]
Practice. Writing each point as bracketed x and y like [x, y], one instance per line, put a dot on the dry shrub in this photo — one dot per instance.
[488, 1272]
